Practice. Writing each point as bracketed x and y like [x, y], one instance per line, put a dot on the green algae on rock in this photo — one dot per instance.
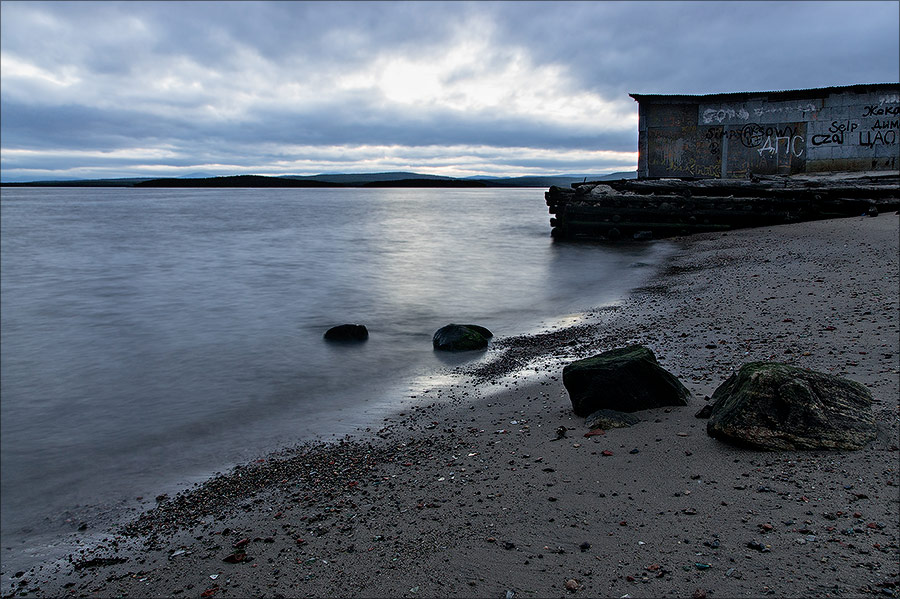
[769, 405]
[627, 379]
[461, 337]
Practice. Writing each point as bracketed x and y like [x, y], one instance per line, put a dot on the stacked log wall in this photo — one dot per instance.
[645, 209]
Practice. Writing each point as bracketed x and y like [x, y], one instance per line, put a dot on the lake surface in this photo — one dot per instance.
[152, 337]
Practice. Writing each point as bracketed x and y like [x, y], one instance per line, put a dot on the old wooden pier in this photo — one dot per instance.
[646, 209]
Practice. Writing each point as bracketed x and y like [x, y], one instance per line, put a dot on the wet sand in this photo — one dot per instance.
[469, 492]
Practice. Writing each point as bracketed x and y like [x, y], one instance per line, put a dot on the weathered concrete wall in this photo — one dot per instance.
[855, 128]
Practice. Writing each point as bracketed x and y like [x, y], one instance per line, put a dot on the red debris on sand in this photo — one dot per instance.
[235, 558]
[607, 452]
[596, 431]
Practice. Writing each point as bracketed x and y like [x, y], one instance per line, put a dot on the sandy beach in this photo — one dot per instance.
[469, 492]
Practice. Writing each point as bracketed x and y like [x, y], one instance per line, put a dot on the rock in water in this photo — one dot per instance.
[461, 337]
[610, 419]
[347, 332]
[627, 379]
[768, 405]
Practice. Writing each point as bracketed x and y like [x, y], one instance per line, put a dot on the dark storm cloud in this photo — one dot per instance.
[710, 47]
[268, 87]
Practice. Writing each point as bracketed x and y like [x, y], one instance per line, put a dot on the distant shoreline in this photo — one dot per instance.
[379, 180]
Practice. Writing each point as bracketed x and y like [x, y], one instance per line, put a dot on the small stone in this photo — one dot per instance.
[705, 412]
[584, 546]
[235, 558]
[759, 546]
[698, 594]
[571, 585]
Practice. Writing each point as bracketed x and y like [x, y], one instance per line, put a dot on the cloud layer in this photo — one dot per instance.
[497, 88]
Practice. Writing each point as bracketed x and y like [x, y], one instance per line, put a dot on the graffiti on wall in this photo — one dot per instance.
[831, 131]
[740, 112]
[770, 140]
[864, 131]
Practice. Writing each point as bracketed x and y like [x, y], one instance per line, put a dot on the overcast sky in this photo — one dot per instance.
[128, 89]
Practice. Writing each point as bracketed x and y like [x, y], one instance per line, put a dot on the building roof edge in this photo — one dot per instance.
[777, 94]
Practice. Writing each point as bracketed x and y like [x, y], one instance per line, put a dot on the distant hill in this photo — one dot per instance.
[128, 182]
[236, 181]
[390, 179]
[364, 178]
[426, 183]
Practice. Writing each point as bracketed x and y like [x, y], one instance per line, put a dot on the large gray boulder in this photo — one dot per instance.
[627, 379]
[461, 337]
[767, 405]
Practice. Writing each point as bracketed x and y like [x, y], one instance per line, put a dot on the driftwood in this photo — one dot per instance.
[642, 209]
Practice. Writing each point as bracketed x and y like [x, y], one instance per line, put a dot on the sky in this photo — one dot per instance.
[153, 89]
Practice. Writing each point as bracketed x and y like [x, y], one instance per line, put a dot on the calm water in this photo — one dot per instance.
[150, 337]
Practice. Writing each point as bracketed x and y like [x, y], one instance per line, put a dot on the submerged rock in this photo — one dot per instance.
[461, 337]
[347, 332]
[627, 379]
[768, 405]
[608, 419]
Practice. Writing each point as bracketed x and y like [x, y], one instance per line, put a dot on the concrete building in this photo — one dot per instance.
[737, 135]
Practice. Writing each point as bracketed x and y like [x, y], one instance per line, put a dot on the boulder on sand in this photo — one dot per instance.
[768, 405]
[461, 337]
[627, 379]
[347, 332]
[610, 419]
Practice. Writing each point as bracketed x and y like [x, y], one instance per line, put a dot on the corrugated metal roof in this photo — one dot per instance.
[781, 95]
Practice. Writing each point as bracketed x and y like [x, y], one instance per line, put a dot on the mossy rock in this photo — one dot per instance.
[769, 405]
[627, 379]
[461, 337]
[608, 419]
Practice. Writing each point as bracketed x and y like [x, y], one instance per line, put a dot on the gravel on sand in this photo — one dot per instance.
[488, 486]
